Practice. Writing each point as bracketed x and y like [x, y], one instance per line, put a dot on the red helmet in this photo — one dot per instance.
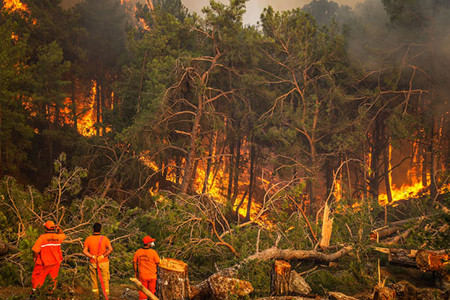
[148, 240]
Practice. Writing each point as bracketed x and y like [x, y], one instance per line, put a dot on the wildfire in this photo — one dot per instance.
[14, 5]
[87, 119]
[215, 186]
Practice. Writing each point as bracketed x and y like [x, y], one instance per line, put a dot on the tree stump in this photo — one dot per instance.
[280, 278]
[172, 282]
[383, 293]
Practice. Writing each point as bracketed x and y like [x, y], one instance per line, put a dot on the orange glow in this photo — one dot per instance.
[14, 5]
[414, 185]
[14, 36]
[337, 192]
[88, 115]
[216, 186]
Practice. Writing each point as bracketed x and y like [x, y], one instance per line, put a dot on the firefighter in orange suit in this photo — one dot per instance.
[47, 255]
[144, 262]
[98, 247]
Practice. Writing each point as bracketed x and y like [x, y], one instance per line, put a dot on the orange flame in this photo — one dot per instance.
[14, 5]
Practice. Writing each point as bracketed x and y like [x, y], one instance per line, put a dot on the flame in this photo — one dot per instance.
[14, 5]
[87, 114]
[337, 192]
[216, 183]
[14, 36]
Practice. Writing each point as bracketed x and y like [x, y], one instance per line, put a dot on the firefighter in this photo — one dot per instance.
[145, 261]
[98, 247]
[47, 255]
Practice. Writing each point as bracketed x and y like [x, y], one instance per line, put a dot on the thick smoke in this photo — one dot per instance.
[255, 7]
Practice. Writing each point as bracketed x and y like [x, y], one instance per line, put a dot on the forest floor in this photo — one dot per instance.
[14, 292]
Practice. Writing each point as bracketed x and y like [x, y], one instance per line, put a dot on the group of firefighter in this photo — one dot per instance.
[47, 257]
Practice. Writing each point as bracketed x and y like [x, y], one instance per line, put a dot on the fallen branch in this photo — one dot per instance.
[143, 289]
[397, 238]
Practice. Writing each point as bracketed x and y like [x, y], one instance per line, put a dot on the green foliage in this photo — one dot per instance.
[258, 274]
[323, 281]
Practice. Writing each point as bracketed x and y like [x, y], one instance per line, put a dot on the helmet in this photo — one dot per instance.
[49, 224]
[148, 240]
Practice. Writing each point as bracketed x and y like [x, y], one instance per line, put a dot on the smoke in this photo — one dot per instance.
[255, 7]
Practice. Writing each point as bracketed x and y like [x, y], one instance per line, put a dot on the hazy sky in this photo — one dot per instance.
[255, 7]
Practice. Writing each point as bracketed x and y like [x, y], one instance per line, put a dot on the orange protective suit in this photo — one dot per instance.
[49, 258]
[146, 260]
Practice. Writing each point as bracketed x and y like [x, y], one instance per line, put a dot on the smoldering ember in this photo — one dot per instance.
[150, 150]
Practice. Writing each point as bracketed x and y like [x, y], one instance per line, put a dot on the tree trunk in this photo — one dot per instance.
[288, 254]
[236, 172]
[251, 183]
[97, 101]
[192, 153]
[172, 282]
[433, 186]
[279, 283]
[209, 162]
[387, 172]
[230, 174]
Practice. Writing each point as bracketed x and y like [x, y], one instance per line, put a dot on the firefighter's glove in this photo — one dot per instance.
[100, 257]
[94, 257]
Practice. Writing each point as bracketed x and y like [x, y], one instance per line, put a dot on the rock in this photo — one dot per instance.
[298, 285]
[223, 288]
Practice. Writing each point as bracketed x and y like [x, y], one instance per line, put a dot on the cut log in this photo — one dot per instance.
[298, 285]
[225, 288]
[143, 289]
[432, 260]
[383, 232]
[172, 280]
[426, 260]
[289, 254]
[400, 256]
[397, 238]
[279, 279]
[339, 296]
[383, 293]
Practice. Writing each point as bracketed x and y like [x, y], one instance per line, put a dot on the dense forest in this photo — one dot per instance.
[307, 131]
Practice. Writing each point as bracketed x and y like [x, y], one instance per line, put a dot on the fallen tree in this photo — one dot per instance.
[427, 260]
[289, 254]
